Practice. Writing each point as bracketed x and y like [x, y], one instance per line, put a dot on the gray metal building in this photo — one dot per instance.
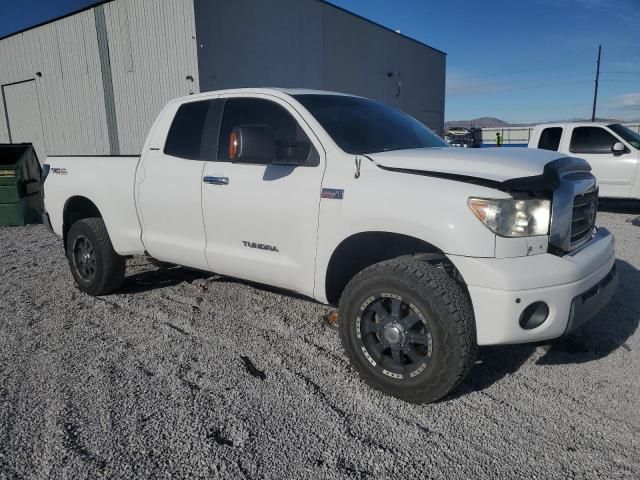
[93, 81]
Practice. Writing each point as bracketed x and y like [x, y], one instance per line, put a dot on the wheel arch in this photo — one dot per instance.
[363, 249]
[77, 208]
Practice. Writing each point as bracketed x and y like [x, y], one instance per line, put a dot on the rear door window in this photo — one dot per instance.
[550, 138]
[292, 142]
[194, 132]
[591, 140]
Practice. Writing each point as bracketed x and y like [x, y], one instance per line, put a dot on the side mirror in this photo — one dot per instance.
[252, 144]
[618, 147]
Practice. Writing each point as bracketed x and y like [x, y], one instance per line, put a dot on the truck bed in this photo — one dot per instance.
[109, 183]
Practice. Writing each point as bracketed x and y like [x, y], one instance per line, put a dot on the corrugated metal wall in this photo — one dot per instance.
[23, 113]
[102, 75]
[69, 92]
[306, 43]
[151, 51]
[361, 58]
[152, 48]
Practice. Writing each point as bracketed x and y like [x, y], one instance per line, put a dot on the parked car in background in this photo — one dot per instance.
[427, 250]
[612, 150]
[459, 137]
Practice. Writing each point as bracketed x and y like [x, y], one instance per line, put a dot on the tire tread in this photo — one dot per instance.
[111, 275]
[459, 333]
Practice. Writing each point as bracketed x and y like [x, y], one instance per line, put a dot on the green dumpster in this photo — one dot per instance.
[21, 199]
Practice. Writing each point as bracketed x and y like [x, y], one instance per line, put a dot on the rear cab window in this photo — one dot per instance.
[550, 138]
[194, 131]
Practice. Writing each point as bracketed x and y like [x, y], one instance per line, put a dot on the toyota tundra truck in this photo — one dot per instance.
[428, 251]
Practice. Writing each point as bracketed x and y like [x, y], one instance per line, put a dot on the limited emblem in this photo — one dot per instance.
[332, 193]
[261, 246]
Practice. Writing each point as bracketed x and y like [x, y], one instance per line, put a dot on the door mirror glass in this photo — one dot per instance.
[618, 147]
[252, 144]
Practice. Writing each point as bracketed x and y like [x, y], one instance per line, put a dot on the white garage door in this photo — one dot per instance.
[23, 115]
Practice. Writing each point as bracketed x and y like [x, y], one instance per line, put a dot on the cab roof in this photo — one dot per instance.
[275, 91]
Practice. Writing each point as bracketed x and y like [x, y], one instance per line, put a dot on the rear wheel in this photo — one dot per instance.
[408, 329]
[95, 266]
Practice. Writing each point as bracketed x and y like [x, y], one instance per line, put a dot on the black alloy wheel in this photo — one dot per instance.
[84, 258]
[407, 326]
[394, 336]
[96, 268]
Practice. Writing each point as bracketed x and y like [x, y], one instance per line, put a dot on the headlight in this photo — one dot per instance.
[512, 217]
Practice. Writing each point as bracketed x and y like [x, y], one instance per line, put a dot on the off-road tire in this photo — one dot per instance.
[109, 267]
[445, 305]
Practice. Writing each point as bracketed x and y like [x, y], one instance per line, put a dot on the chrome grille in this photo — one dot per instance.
[573, 215]
[583, 220]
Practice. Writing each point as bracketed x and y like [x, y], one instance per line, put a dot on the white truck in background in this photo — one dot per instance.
[428, 250]
[612, 150]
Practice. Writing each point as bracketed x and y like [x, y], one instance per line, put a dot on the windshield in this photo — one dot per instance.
[627, 134]
[361, 126]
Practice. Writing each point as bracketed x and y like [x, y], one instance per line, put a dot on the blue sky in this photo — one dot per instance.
[521, 61]
[525, 61]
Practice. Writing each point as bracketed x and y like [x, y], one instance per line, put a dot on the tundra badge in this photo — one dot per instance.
[261, 246]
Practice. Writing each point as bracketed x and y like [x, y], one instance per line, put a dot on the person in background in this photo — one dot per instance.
[498, 139]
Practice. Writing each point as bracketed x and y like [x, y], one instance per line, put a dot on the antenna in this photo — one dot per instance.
[595, 93]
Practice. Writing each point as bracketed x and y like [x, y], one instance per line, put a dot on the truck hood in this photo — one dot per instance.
[498, 164]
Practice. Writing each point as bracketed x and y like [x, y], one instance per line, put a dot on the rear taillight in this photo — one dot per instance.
[45, 171]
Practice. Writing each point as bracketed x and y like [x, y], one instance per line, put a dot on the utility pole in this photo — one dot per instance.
[595, 93]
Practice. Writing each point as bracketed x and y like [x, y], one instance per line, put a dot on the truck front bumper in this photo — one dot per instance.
[574, 288]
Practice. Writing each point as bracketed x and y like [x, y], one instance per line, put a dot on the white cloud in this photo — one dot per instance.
[628, 101]
[623, 10]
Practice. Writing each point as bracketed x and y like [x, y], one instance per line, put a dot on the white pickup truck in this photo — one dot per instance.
[428, 250]
[612, 150]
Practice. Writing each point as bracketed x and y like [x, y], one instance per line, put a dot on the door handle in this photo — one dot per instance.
[216, 180]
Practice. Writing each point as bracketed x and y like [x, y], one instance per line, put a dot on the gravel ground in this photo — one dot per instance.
[189, 375]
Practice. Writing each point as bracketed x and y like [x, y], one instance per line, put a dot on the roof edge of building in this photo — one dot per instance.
[55, 19]
[325, 2]
[328, 3]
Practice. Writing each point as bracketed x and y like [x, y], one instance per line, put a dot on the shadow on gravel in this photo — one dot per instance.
[160, 278]
[619, 206]
[598, 338]
[605, 333]
[163, 277]
[265, 288]
[494, 363]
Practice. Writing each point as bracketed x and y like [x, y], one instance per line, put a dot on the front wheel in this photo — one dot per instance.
[408, 329]
[95, 266]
